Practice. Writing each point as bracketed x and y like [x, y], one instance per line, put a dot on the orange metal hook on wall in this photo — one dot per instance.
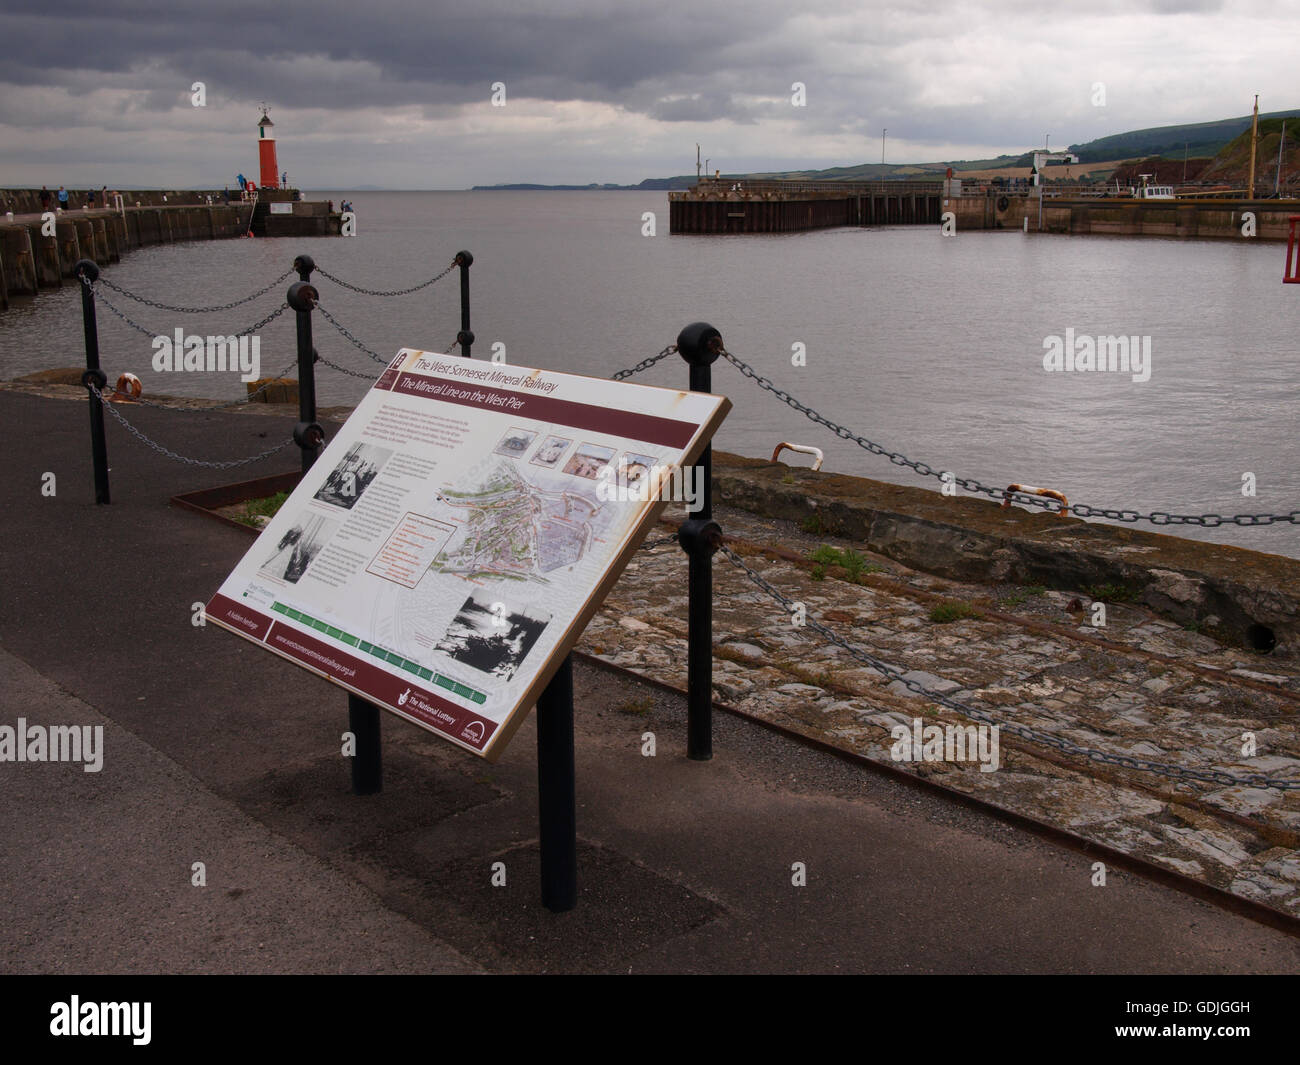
[1029, 489]
[803, 449]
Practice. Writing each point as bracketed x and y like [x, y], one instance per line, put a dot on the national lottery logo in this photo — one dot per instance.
[401, 699]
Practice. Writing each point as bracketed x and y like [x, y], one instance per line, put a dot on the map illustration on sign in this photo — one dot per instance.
[447, 548]
[518, 528]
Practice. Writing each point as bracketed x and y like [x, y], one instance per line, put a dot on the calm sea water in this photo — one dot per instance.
[930, 346]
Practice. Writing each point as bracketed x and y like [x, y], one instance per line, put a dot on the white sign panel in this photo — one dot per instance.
[450, 544]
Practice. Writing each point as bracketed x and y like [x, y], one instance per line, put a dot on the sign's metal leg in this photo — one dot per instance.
[556, 799]
[367, 765]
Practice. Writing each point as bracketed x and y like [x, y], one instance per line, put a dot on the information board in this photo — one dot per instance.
[452, 541]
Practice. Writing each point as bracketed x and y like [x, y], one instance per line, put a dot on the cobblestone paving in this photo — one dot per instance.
[1140, 685]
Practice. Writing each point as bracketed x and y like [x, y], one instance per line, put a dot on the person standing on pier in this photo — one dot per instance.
[90, 199]
[63, 198]
[45, 199]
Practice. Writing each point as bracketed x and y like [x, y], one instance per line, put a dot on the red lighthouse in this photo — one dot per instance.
[270, 176]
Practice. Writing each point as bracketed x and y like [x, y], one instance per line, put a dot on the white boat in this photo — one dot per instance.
[1153, 192]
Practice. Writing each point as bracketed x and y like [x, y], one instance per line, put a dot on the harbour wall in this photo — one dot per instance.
[38, 253]
[1128, 218]
[788, 207]
[716, 207]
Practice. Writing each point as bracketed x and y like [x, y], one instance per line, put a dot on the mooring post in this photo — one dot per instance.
[367, 762]
[87, 273]
[700, 537]
[556, 792]
[464, 338]
[308, 434]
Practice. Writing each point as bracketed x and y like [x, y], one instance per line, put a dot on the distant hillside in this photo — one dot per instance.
[1201, 140]
[1197, 139]
[1232, 165]
[1162, 171]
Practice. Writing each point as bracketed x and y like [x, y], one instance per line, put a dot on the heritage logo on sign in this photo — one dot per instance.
[473, 732]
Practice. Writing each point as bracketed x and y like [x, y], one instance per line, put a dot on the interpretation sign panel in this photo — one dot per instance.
[448, 547]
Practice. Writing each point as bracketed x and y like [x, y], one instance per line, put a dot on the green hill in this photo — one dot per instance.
[1196, 139]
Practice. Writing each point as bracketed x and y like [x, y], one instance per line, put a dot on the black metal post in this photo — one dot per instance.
[87, 272]
[367, 763]
[556, 798]
[700, 536]
[307, 434]
[464, 338]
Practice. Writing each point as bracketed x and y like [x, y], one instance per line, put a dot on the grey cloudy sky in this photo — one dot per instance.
[398, 94]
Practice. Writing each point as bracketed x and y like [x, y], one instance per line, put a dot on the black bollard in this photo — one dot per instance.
[87, 272]
[700, 536]
[464, 338]
[556, 792]
[307, 434]
[367, 762]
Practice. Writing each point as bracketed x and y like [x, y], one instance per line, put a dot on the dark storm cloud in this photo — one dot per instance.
[341, 54]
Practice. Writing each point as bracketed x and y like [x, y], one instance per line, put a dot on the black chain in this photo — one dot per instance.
[196, 310]
[1210, 776]
[970, 484]
[112, 409]
[381, 292]
[644, 364]
[152, 334]
[343, 369]
[350, 338]
[650, 545]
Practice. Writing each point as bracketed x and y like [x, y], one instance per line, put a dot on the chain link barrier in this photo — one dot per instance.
[970, 484]
[196, 310]
[151, 334]
[382, 292]
[1143, 765]
[350, 338]
[364, 375]
[644, 364]
[149, 442]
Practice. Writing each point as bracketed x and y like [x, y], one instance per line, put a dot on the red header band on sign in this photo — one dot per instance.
[650, 428]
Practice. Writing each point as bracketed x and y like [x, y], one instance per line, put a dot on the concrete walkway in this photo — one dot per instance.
[216, 751]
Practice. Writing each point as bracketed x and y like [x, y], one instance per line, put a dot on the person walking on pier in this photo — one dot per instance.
[63, 198]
